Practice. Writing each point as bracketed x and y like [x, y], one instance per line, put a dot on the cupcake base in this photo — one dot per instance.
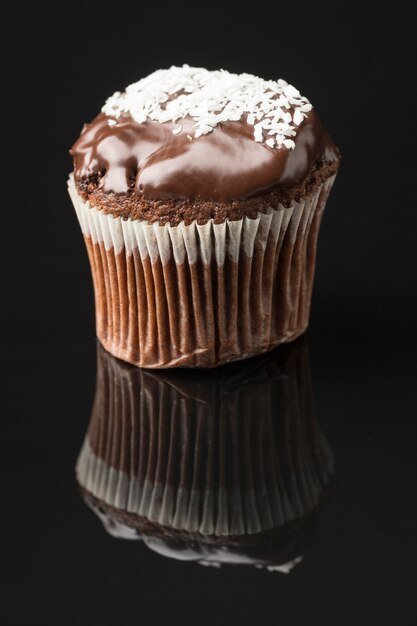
[202, 295]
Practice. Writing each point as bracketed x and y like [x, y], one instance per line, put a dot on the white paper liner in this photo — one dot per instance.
[201, 295]
[194, 241]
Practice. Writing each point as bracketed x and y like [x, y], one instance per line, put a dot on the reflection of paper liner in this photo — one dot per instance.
[200, 295]
[230, 452]
[279, 549]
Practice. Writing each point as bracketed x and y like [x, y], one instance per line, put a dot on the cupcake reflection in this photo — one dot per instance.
[215, 466]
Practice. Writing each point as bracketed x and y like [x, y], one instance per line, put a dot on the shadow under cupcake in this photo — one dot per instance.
[216, 466]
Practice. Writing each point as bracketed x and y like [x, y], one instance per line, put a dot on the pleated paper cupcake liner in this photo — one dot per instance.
[215, 454]
[201, 295]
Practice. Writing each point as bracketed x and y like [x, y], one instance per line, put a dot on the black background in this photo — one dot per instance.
[357, 67]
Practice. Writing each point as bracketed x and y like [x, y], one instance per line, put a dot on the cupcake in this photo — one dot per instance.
[200, 195]
[226, 462]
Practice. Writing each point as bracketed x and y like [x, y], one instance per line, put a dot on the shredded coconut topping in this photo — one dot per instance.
[274, 108]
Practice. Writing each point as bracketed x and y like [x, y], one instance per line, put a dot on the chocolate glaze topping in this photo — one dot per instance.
[150, 162]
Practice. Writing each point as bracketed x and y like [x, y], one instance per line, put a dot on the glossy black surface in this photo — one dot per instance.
[58, 564]
[63, 567]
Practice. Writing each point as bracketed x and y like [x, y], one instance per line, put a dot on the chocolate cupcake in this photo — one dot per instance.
[230, 461]
[200, 196]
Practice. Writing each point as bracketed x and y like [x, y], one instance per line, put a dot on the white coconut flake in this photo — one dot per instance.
[298, 117]
[288, 143]
[275, 109]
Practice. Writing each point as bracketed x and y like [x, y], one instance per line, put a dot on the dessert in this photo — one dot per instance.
[200, 196]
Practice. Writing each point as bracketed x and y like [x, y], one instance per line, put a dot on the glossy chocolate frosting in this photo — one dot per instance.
[226, 164]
